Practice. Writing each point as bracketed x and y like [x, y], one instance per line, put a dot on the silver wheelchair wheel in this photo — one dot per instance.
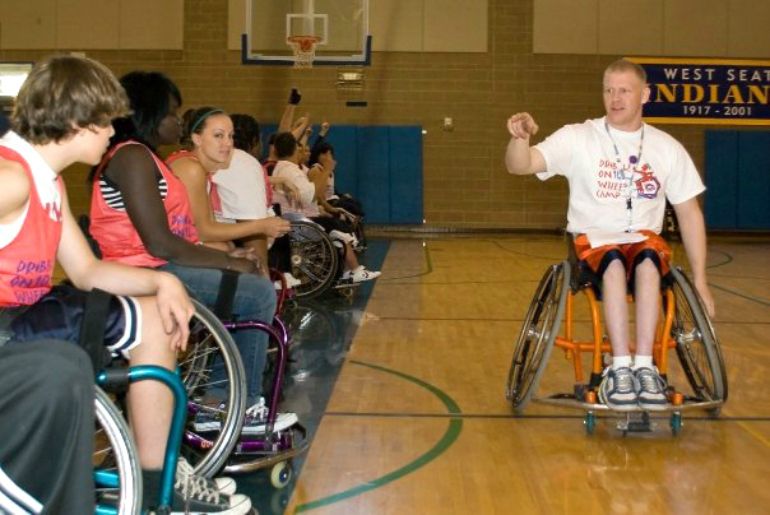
[696, 342]
[537, 334]
[115, 454]
[223, 400]
[314, 258]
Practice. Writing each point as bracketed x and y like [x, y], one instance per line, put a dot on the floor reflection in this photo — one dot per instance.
[322, 330]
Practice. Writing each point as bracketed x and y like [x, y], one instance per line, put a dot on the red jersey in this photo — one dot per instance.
[27, 262]
[214, 200]
[113, 230]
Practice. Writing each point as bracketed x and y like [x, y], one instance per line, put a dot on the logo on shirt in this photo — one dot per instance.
[647, 186]
[54, 211]
[613, 182]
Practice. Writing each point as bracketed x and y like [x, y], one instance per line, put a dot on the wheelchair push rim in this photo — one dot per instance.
[696, 343]
[117, 471]
[209, 338]
[537, 335]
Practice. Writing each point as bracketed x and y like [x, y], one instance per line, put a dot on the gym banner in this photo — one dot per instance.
[707, 91]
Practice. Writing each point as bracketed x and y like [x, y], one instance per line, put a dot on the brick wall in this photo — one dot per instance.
[466, 184]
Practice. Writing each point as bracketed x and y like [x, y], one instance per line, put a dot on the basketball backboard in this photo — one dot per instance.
[339, 30]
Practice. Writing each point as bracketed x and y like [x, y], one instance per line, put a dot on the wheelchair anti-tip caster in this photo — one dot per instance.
[281, 474]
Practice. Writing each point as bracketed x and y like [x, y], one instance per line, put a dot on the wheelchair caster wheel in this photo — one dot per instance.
[590, 422]
[676, 423]
[281, 474]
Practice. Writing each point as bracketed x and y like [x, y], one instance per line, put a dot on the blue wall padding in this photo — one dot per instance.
[721, 197]
[754, 180]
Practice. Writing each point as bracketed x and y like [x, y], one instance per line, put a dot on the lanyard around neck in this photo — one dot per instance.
[633, 160]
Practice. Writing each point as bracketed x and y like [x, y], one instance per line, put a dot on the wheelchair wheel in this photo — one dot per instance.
[223, 401]
[117, 474]
[696, 342]
[314, 259]
[538, 332]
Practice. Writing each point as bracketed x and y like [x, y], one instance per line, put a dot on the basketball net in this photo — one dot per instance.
[304, 50]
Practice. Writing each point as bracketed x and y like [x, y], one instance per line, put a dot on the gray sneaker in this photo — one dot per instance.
[652, 389]
[618, 389]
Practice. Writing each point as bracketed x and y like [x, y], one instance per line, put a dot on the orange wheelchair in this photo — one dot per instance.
[683, 326]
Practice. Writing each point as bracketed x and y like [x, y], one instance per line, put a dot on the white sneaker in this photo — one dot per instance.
[360, 275]
[195, 494]
[291, 281]
[225, 485]
[255, 421]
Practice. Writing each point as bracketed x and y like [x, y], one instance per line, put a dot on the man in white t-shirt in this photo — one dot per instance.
[620, 173]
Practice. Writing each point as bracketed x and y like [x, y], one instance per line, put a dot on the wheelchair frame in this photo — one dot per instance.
[125, 477]
[683, 326]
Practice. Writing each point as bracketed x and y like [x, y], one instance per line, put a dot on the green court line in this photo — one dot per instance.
[452, 433]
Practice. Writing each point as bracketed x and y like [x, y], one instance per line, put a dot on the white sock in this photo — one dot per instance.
[620, 362]
[642, 362]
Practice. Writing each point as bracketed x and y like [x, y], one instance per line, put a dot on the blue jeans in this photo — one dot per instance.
[254, 300]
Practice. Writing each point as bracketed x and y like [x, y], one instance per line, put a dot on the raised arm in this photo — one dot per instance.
[520, 157]
[194, 178]
[287, 118]
[133, 171]
[320, 179]
[693, 230]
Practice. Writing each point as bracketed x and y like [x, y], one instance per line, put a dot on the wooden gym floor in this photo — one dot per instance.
[417, 421]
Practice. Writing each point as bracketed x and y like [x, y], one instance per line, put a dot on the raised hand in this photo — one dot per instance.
[522, 126]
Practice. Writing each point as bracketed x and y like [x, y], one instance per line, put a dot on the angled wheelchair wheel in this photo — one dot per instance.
[214, 377]
[696, 342]
[117, 474]
[314, 259]
[538, 332]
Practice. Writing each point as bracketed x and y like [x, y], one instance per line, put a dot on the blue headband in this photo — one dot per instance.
[202, 117]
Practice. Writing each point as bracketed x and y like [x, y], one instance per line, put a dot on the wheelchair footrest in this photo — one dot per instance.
[636, 422]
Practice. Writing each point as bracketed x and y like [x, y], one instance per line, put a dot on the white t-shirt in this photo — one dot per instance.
[600, 187]
[307, 205]
[241, 188]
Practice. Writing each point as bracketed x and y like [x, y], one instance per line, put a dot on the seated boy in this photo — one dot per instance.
[63, 115]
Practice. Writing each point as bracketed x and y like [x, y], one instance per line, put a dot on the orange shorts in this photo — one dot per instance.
[631, 254]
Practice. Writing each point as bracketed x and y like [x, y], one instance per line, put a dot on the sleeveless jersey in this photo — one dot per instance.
[214, 201]
[27, 262]
[115, 233]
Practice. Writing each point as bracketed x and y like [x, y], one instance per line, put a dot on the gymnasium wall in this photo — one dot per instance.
[465, 182]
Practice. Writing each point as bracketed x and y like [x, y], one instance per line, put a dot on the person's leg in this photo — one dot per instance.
[647, 299]
[150, 403]
[46, 426]
[254, 299]
[652, 388]
[618, 389]
[615, 305]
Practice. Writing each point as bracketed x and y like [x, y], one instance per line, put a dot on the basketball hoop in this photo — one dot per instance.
[304, 50]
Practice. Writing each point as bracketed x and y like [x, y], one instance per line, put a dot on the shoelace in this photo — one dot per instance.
[193, 487]
[186, 474]
[259, 410]
[649, 382]
[624, 382]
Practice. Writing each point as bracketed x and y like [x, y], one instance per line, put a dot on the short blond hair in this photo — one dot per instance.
[64, 93]
[624, 65]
